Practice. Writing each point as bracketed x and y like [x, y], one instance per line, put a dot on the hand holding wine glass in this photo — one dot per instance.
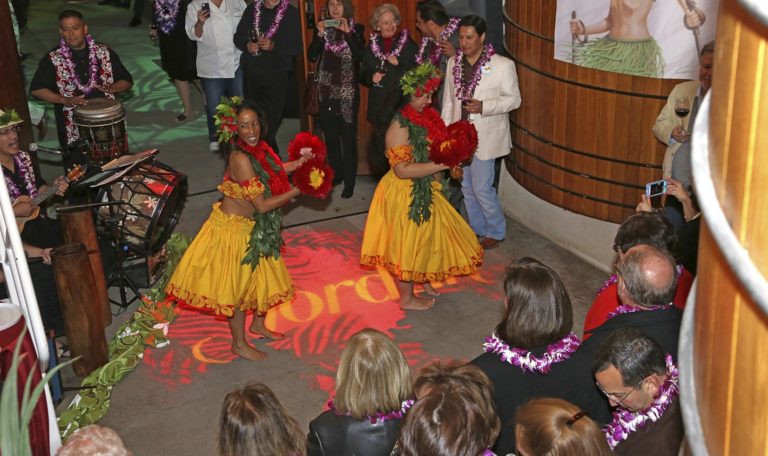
[682, 108]
[381, 70]
[254, 35]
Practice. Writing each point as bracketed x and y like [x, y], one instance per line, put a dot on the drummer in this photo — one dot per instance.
[57, 83]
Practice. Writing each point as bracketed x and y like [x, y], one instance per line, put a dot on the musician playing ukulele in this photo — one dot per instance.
[41, 234]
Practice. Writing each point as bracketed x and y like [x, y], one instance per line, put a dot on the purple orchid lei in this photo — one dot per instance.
[382, 416]
[93, 64]
[165, 15]
[279, 15]
[525, 360]
[434, 56]
[396, 50]
[466, 93]
[626, 422]
[337, 47]
[625, 309]
[24, 165]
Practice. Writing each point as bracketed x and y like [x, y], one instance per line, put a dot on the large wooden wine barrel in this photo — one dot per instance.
[726, 374]
[582, 138]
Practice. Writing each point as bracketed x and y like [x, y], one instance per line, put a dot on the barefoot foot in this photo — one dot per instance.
[414, 302]
[248, 352]
[258, 328]
[430, 290]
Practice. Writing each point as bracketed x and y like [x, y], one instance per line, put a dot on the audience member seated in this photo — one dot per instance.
[93, 440]
[687, 248]
[254, 423]
[644, 228]
[642, 383]
[373, 392]
[454, 415]
[554, 427]
[646, 285]
[533, 352]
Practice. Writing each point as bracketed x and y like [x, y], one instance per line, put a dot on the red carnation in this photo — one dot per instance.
[314, 178]
[306, 139]
[457, 147]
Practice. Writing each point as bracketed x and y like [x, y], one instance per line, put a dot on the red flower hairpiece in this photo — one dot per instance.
[307, 140]
[430, 86]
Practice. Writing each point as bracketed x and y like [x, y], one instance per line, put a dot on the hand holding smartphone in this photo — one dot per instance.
[655, 188]
[206, 7]
[335, 23]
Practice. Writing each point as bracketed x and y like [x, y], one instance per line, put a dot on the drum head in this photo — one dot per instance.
[99, 108]
[151, 199]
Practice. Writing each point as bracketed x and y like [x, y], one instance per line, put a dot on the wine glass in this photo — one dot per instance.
[381, 68]
[682, 108]
[255, 36]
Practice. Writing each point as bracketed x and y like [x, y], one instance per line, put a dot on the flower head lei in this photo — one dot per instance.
[9, 118]
[525, 360]
[462, 92]
[279, 15]
[226, 118]
[165, 14]
[420, 80]
[69, 64]
[626, 422]
[434, 56]
[382, 416]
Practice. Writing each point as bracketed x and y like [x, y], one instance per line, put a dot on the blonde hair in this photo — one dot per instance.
[373, 376]
[555, 427]
[378, 12]
[254, 422]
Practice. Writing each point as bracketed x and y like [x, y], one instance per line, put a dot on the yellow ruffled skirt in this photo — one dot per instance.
[445, 246]
[210, 275]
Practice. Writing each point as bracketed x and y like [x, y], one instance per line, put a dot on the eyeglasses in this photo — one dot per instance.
[7, 131]
[615, 397]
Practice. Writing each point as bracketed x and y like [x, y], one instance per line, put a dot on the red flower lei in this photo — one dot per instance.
[429, 119]
[278, 179]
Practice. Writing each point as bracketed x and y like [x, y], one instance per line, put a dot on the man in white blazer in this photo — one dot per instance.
[481, 87]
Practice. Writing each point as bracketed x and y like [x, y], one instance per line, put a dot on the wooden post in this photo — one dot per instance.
[12, 91]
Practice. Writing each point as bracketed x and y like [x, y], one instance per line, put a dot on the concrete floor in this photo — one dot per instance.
[170, 404]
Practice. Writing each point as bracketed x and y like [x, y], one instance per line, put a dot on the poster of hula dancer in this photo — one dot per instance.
[653, 38]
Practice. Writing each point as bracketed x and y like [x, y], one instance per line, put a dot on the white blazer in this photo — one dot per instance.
[500, 94]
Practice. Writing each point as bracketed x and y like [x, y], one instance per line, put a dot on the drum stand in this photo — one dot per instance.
[117, 276]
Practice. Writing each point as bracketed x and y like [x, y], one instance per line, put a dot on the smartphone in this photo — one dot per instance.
[206, 7]
[332, 22]
[656, 188]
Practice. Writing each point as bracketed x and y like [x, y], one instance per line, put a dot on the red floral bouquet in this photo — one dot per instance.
[306, 140]
[314, 177]
[457, 147]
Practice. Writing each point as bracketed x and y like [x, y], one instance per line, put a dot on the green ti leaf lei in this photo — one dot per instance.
[420, 209]
[265, 236]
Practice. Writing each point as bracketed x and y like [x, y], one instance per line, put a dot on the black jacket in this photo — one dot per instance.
[570, 380]
[333, 435]
[381, 99]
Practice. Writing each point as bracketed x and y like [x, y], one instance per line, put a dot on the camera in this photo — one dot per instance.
[205, 7]
[656, 188]
[332, 23]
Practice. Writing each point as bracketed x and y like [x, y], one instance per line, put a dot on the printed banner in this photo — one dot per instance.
[653, 38]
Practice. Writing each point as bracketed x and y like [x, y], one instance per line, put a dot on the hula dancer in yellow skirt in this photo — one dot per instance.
[234, 264]
[412, 230]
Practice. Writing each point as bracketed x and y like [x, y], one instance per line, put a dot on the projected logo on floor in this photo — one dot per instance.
[335, 299]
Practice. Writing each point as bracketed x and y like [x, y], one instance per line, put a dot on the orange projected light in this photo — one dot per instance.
[335, 299]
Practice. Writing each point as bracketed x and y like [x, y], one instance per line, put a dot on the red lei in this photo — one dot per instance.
[277, 179]
[428, 119]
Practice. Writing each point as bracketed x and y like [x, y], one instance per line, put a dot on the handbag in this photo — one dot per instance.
[312, 93]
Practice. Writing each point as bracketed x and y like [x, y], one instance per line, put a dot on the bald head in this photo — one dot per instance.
[648, 277]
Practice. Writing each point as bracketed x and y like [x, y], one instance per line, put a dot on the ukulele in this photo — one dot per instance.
[74, 174]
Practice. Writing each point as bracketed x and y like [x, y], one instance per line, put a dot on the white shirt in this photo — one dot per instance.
[217, 56]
